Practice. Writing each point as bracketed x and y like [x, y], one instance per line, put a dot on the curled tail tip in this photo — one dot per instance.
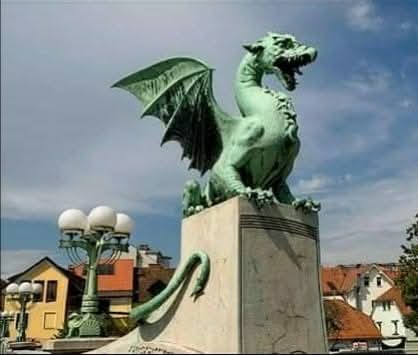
[196, 291]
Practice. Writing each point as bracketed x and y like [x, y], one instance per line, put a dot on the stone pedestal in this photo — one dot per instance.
[76, 345]
[23, 345]
[263, 293]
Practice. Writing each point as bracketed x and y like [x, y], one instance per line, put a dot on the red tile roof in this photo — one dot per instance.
[353, 324]
[392, 274]
[394, 294]
[338, 280]
[121, 280]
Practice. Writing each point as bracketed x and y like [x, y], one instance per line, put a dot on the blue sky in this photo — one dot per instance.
[68, 140]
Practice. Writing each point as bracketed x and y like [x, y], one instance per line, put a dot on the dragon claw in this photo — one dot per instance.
[193, 210]
[258, 196]
[307, 204]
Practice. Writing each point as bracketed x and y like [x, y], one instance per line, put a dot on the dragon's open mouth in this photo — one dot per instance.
[290, 66]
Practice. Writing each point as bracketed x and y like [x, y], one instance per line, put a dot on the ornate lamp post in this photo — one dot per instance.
[103, 230]
[23, 293]
[5, 318]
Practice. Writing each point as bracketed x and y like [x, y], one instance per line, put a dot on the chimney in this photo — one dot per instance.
[357, 290]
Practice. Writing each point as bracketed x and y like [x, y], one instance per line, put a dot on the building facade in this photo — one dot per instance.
[370, 289]
[114, 285]
[61, 294]
[3, 284]
[353, 329]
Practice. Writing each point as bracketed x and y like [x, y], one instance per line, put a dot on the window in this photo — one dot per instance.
[102, 269]
[156, 288]
[26, 320]
[379, 281]
[386, 305]
[395, 323]
[50, 320]
[39, 297]
[379, 324]
[105, 269]
[51, 291]
[366, 281]
[104, 306]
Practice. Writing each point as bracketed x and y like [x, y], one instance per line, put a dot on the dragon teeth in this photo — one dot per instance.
[297, 70]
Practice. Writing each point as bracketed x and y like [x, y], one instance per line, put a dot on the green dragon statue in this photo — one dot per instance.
[249, 155]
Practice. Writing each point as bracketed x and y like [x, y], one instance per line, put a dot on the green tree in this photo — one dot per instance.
[332, 317]
[408, 276]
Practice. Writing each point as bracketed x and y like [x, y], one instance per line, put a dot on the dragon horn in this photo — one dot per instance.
[253, 48]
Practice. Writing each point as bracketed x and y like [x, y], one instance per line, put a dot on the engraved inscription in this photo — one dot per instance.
[148, 349]
[249, 221]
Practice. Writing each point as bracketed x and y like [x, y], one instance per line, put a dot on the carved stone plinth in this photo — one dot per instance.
[263, 294]
[75, 345]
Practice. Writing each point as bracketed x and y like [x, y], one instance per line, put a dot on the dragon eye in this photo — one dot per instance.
[287, 43]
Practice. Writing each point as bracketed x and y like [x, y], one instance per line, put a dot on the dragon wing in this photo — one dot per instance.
[179, 92]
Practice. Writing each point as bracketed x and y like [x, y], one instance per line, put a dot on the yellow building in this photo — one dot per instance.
[61, 294]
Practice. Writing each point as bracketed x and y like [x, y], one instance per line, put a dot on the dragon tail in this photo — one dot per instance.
[141, 312]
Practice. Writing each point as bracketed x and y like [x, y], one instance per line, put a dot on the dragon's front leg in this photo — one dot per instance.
[230, 184]
[226, 173]
[282, 193]
[193, 199]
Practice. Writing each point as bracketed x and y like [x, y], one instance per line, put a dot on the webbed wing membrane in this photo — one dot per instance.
[179, 92]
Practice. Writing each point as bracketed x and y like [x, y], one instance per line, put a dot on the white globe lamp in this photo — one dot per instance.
[124, 225]
[25, 288]
[37, 288]
[102, 218]
[13, 288]
[72, 221]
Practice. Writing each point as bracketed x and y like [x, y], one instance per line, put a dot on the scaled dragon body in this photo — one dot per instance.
[252, 154]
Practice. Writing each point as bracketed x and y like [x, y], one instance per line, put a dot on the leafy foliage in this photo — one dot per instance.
[408, 276]
[120, 326]
[332, 317]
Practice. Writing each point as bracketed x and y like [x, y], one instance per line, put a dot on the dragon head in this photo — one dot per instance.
[283, 55]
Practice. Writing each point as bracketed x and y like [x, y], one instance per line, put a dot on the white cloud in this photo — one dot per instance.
[362, 16]
[370, 79]
[366, 221]
[343, 125]
[320, 183]
[406, 103]
[15, 261]
[315, 184]
[408, 27]
[79, 144]
[129, 180]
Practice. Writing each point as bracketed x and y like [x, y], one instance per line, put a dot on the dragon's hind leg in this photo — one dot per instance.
[282, 194]
[193, 199]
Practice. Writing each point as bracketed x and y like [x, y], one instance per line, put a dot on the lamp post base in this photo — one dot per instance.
[89, 304]
[86, 325]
